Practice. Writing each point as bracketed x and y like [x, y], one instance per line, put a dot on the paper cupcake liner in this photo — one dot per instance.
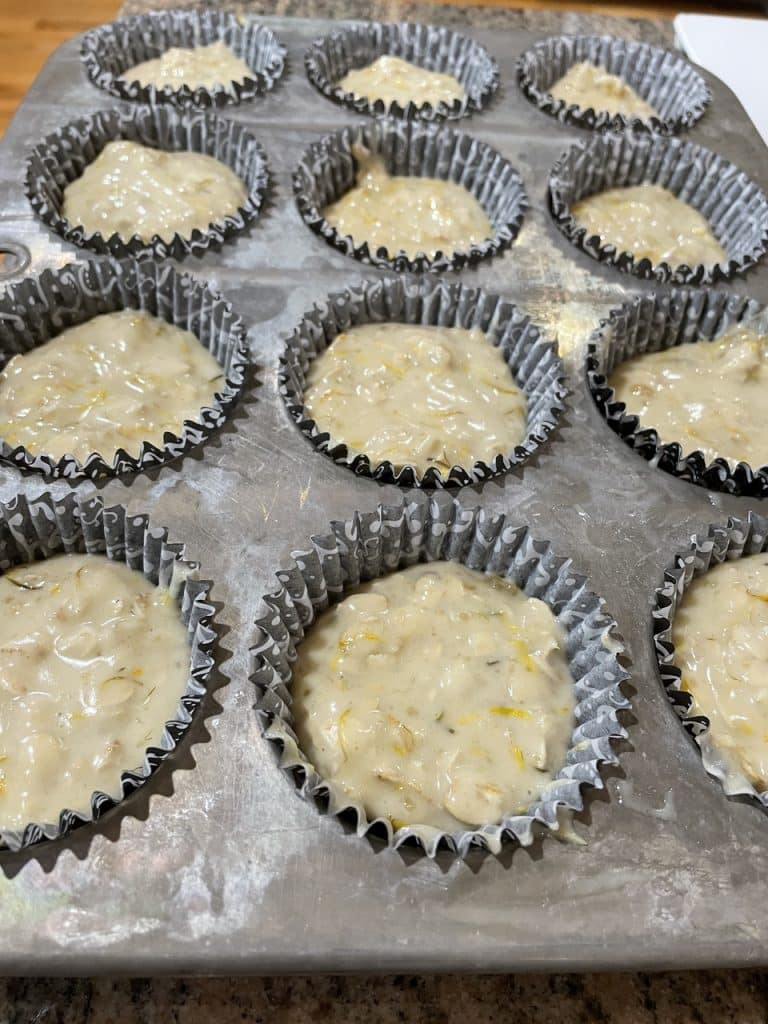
[740, 537]
[650, 323]
[737, 210]
[34, 530]
[666, 80]
[38, 309]
[533, 363]
[327, 170]
[372, 544]
[108, 51]
[436, 49]
[63, 156]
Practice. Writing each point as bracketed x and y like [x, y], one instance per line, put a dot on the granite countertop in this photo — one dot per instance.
[720, 997]
[454, 16]
[674, 998]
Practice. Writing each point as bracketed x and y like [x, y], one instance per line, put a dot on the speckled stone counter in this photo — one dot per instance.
[674, 998]
[714, 997]
[455, 16]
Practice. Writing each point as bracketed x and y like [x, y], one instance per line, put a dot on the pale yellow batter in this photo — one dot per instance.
[112, 382]
[708, 396]
[394, 80]
[417, 215]
[94, 662]
[588, 85]
[720, 633]
[436, 696]
[649, 221]
[130, 189]
[200, 67]
[418, 396]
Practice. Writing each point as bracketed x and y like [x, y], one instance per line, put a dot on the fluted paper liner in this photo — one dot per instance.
[37, 309]
[109, 51]
[327, 170]
[372, 544]
[46, 526]
[533, 363]
[734, 206]
[740, 537]
[651, 323]
[672, 86]
[437, 49]
[62, 157]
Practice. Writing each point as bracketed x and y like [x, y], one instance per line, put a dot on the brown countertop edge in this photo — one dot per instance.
[714, 997]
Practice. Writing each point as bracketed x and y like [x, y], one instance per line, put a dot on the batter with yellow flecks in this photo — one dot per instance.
[652, 223]
[93, 662]
[436, 696]
[394, 80]
[720, 633]
[406, 212]
[111, 382]
[196, 67]
[589, 86]
[417, 395]
[131, 189]
[709, 396]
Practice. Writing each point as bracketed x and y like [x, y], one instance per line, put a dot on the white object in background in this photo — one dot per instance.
[735, 50]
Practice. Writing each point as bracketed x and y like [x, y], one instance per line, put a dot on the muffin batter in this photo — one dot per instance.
[394, 80]
[649, 221]
[416, 395]
[590, 86]
[708, 396]
[720, 633]
[436, 696]
[94, 662]
[199, 67]
[112, 382]
[130, 189]
[417, 215]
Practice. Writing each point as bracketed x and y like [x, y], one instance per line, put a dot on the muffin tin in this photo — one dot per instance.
[234, 872]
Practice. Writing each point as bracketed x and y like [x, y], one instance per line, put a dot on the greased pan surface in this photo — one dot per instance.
[233, 871]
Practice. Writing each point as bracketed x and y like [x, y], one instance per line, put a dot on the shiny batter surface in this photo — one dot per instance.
[112, 382]
[709, 396]
[720, 633]
[199, 67]
[416, 395]
[394, 80]
[417, 215]
[94, 662]
[649, 221]
[588, 85]
[130, 189]
[436, 696]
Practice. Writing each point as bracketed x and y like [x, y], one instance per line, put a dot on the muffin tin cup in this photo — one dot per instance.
[651, 323]
[734, 206]
[372, 544]
[437, 49]
[46, 526]
[108, 51]
[327, 170]
[740, 537]
[666, 80]
[63, 156]
[38, 309]
[533, 363]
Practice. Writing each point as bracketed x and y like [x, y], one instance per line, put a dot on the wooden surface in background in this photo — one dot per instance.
[30, 30]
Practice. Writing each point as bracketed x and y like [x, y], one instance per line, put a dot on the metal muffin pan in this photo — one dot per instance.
[224, 868]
